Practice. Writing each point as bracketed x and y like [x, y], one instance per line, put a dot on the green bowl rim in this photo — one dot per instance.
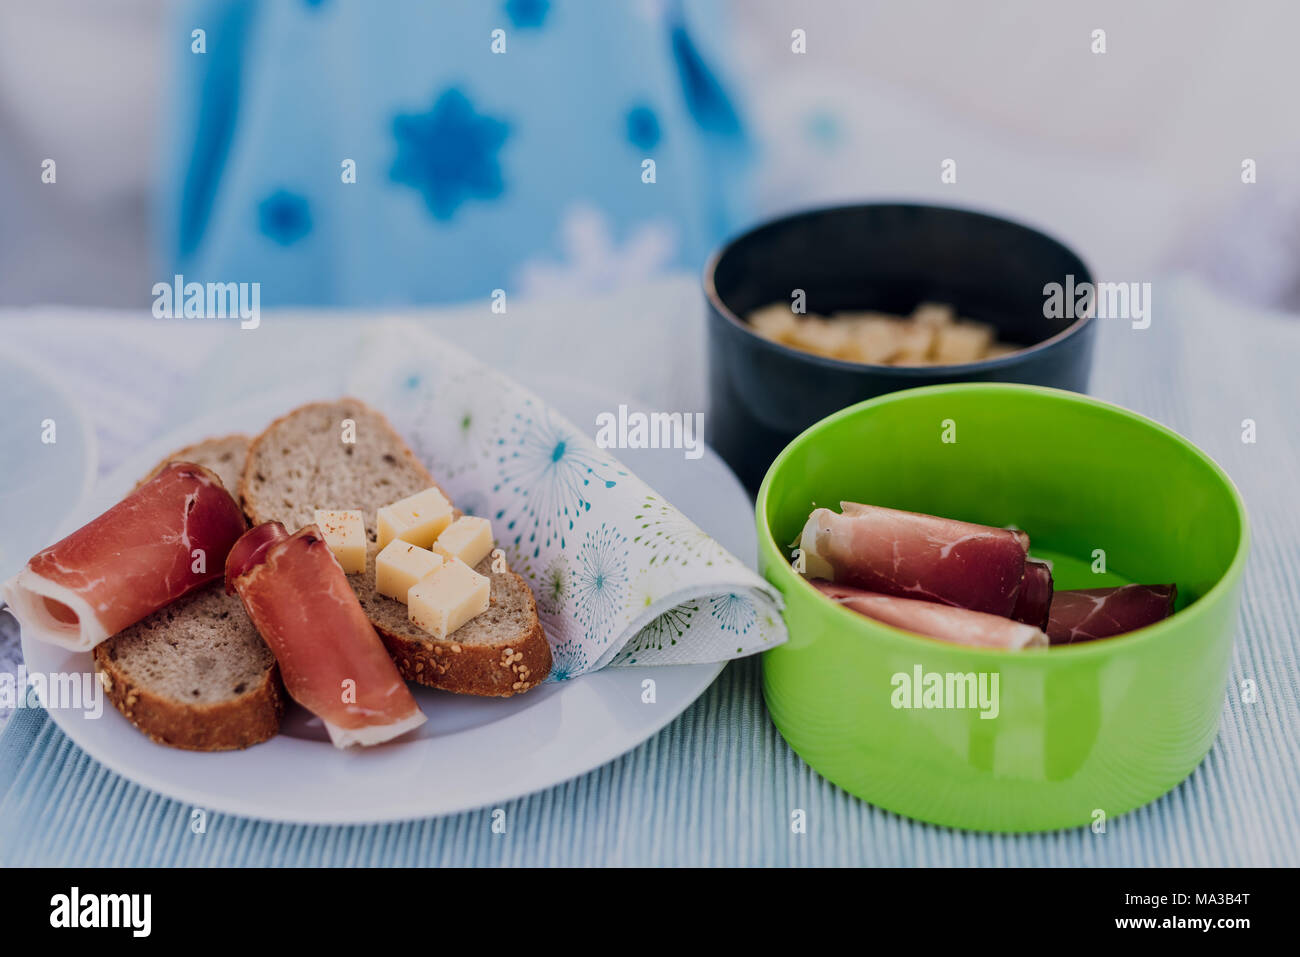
[1227, 580]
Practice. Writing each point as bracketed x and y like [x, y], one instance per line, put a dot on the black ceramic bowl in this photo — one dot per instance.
[886, 257]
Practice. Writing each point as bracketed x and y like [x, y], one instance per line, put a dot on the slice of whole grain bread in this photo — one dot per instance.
[225, 456]
[498, 653]
[300, 463]
[196, 674]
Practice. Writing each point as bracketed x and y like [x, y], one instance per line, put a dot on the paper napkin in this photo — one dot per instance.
[620, 575]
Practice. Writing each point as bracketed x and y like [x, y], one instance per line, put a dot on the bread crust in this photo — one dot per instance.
[190, 452]
[250, 719]
[492, 671]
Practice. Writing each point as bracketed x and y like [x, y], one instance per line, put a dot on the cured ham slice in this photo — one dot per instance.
[910, 555]
[330, 657]
[168, 537]
[1087, 614]
[1034, 600]
[959, 626]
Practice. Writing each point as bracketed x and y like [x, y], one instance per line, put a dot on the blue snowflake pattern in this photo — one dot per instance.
[643, 128]
[599, 581]
[568, 660]
[548, 473]
[528, 14]
[734, 613]
[284, 217]
[705, 97]
[449, 153]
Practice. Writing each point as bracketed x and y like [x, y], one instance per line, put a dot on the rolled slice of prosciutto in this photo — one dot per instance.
[910, 555]
[945, 622]
[330, 657]
[168, 537]
[1087, 614]
[1034, 600]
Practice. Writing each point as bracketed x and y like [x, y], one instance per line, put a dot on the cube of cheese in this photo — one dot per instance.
[824, 337]
[468, 538]
[442, 602]
[876, 337]
[933, 314]
[775, 322]
[345, 534]
[400, 565]
[963, 342]
[914, 344]
[418, 519]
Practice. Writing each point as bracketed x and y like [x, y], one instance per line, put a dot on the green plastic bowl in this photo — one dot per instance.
[1082, 732]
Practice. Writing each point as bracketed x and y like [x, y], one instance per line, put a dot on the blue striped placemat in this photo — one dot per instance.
[714, 788]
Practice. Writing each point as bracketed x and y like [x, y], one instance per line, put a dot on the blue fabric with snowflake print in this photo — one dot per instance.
[342, 153]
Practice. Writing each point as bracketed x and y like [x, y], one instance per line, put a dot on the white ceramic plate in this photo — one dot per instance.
[472, 752]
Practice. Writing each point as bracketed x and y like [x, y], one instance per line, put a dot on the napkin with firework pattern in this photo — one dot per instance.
[620, 575]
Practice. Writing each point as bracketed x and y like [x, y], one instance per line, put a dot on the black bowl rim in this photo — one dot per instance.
[902, 372]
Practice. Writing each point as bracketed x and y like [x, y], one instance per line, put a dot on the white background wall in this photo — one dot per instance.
[1133, 156]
